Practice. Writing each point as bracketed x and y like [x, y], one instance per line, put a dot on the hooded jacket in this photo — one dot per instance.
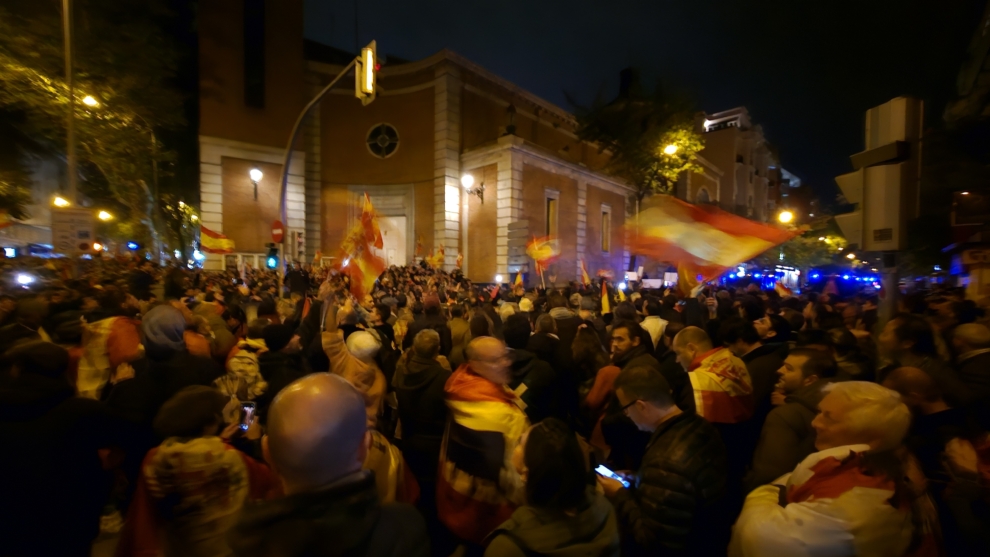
[534, 382]
[787, 436]
[592, 532]
[338, 521]
[419, 386]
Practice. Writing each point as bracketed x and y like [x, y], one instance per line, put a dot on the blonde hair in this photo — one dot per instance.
[876, 411]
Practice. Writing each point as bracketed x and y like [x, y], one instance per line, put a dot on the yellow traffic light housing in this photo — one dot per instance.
[366, 74]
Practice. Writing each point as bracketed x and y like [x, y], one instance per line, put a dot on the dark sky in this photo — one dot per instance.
[806, 70]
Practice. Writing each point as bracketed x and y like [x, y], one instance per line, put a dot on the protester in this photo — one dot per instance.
[563, 514]
[787, 437]
[652, 322]
[533, 380]
[419, 385]
[355, 362]
[279, 365]
[971, 342]
[849, 497]
[431, 319]
[476, 488]
[316, 443]
[671, 506]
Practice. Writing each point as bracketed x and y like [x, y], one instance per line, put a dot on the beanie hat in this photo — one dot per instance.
[278, 336]
[163, 328]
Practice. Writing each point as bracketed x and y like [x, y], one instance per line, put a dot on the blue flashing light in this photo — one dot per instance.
[133, 246]
[877, 286]
[757, 275]
[815, 275]
[845, 277]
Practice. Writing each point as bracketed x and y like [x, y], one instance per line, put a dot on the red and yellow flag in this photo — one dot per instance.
[606, 305]
[543, 250]
[369, 219]
[214, 242]
[460, 260]
[585, 279]
[437, 260]
[419, 246]
[519, 279]
[704, 238]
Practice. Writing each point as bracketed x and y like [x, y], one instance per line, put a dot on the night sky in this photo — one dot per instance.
[807, 71]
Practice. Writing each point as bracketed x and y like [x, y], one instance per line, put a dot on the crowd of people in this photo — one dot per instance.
[204, 414]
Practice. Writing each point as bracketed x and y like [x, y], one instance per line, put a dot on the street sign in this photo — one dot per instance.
[278, 232]
[73, 230]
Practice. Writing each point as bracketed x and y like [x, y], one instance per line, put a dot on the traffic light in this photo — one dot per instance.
[366, 74]
[271, 261]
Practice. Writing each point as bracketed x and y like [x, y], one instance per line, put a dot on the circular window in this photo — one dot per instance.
[383, 140]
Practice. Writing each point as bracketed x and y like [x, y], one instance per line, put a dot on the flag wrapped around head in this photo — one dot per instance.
[369, 220]
[214, 242]
[585, 279]
[543, 250]
[606, 306]
[704, 237]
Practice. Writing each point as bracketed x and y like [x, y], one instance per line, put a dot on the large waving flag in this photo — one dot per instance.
[703, 238]
[543, 250]
[214, 242]
[369, 220]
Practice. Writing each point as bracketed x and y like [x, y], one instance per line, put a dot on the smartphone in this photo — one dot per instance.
[603, 471]
[247, 415]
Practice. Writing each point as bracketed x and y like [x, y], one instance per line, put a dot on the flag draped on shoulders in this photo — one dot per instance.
[214, 242]
[478, 488]
[701, 239]
[723, 389]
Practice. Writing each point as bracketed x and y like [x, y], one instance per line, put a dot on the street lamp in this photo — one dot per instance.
[60, 201]
[850, 256]
[498, 279]
[785, 217]
[670, 149]
[467, 182]
[90, 101]
[104, 216]
[256, 176]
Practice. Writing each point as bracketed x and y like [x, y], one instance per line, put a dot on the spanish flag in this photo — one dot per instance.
[214, 242]
[702, 238]
[478, 488]
[606, 306]
[585, 279]
[543, 250]
[460, 260]
[723, 389]
[519, 279]
[369, 219]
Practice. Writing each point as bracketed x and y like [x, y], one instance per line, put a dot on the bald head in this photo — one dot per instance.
[694, 335]
[317, 430]
[971, 336]
[917, 389]
[489, 358]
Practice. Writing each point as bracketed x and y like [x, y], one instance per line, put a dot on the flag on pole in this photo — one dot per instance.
[543, 250]
[460, 260]
[419, 246]
[364, 269]
[519, 279]
[688, 277]
[585, 279]
[372, 232]
[622, 296]
[704, 239]
[214, 242]
[318, 257]
[606, 306]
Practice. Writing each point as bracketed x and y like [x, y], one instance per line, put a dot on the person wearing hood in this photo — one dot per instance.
[192, 486]
[563, 516]
[316, 443]
[567, 323]
[52, 481]
[787, 436]
[419, 381]
[533, 380]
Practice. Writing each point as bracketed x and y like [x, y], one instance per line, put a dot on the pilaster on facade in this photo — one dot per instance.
[212, 150]
[582, 222]
[447, 163]
[314, 172]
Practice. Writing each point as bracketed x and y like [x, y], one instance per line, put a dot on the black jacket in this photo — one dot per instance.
[278, 369]
[418, 387]
[546, 348]
[52, 483]
[679, 381]
[627, 442]
[567, 326]
[541, 388]
[435, 322]
[345, 520]
[671, 508]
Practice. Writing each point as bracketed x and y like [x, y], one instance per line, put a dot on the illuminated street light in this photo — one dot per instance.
[785, 217]
[964, 193]
[97, 246]
[89, 100]
[194, 218]
[104, 216]
[821, 238]
[60, 201]
[850, 256]
[467, 181]
[498, 279]
[670, 149]
[256, 175]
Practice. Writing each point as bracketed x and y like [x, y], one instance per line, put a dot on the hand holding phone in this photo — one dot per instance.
[603, 471]
[247, 415]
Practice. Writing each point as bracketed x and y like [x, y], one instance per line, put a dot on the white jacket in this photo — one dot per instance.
[830, 509]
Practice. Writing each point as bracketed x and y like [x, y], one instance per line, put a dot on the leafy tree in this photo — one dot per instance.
[650, 137]
[180, 223]
[810, 249]
[126, 60]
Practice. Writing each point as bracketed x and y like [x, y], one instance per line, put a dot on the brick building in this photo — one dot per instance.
[434, 121]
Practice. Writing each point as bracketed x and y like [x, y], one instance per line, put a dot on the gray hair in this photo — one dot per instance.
[426, 344]
[363, 346]
[876, 411]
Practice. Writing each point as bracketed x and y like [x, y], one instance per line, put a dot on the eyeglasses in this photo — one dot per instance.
[623, 409]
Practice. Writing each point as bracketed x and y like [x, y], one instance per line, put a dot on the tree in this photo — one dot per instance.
[125, 60]
[651, 138]
[810, 249]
